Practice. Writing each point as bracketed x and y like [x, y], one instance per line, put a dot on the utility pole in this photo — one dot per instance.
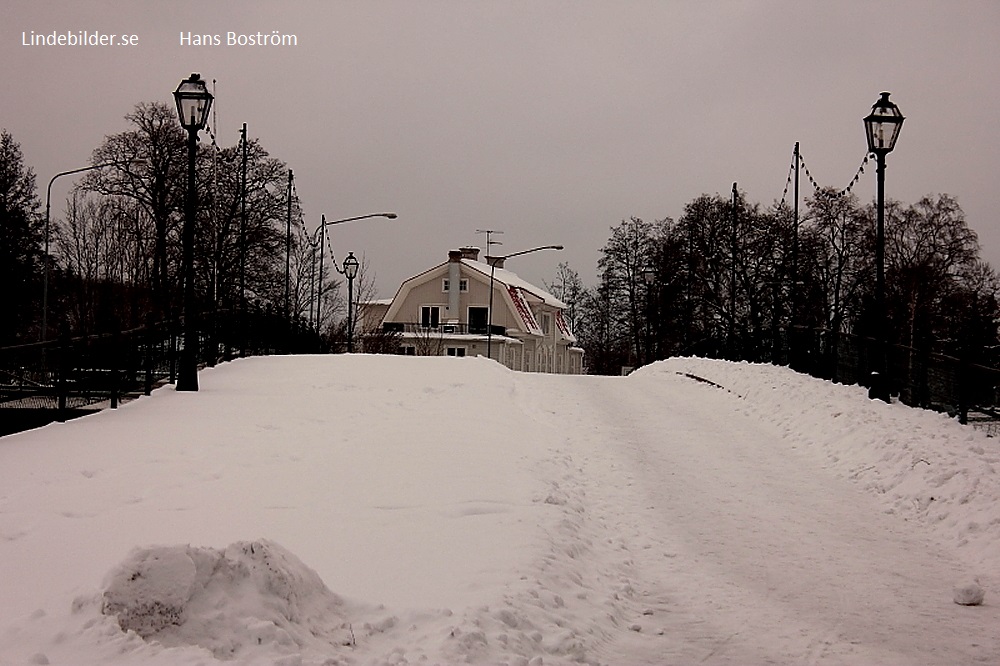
[322, 259]
[243, 244]
[732, 281]
[794, 286]
[288, 260]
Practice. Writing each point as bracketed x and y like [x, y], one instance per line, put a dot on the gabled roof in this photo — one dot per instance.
[503, 276]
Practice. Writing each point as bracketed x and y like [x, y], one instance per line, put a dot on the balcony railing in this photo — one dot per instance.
[442, 329]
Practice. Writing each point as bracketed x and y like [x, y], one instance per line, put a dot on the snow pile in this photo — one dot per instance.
[251, 594]
[922, 465]
[970, 594]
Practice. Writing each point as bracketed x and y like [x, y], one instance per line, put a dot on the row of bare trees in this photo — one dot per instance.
[116, 247]
[730, 278]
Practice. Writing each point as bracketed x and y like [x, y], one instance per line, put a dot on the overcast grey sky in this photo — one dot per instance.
[551, 121]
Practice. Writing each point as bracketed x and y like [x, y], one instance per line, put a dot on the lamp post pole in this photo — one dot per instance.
[489, 325]
[193, 104]
[493, 268]
[187, 376]
[879, 388]
[881, 129]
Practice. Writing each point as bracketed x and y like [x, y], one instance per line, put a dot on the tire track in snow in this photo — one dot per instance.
[743, 551]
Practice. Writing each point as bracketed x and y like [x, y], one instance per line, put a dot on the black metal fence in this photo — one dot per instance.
[920, 378]
[69, 377]
[60, 379]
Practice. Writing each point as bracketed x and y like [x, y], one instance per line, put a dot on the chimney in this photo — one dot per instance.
[496, 262]
[471, 253]
[454, 282]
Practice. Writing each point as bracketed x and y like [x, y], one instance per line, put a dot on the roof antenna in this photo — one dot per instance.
[489, 241]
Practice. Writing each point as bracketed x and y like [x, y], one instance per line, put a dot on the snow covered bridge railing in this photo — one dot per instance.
[68, 377]
[920, 377]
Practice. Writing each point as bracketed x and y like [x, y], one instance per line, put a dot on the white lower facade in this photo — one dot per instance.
[524, 355]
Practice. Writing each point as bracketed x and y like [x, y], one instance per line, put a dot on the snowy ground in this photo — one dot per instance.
[391, 510]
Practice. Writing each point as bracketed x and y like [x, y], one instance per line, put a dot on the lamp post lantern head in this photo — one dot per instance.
[193, 102]
[882, 126]
[351, 266]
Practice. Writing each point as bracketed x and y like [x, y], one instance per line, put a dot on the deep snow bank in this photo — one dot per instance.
[922, 465]
[250, 594]
[486, 531]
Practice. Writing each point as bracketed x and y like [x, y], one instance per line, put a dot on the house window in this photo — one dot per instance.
[546, 323]
[478, 319]
[430, 316]
[456, 351]
[463, 284]
[406, 350]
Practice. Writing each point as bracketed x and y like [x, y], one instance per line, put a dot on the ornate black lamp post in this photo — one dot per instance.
[351, 266]
[882, 127]
[193, 104]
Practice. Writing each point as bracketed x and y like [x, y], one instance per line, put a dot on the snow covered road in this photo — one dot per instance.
[746, 551]
[456, 512]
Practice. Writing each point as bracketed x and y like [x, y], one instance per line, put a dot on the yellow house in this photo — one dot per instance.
[446, 311]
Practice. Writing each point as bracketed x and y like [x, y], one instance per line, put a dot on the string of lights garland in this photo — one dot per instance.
[300, 223]
[816, 186]
[788, 181]
[846, 190]
[211, 133]
[329, 247]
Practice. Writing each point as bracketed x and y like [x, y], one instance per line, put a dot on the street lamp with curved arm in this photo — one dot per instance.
[322, 258]
[493, 267]
[391, 216]
[534, 249]
[48, 206]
